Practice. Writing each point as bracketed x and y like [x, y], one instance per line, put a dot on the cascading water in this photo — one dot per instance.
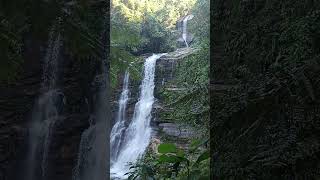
[118, 128]
[93, 156]
[138, 133]
[45, 112]
[84, 147]
[184, 28]
[92, 161]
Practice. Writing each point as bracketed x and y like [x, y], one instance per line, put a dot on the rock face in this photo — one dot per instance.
[16, 105]
[80, 94]
[173, 129]
[154, 143]
[166, 65]
[16, 102]
[164, 80]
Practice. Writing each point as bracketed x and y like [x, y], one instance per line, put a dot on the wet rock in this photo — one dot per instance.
[179, 54]
[164, 80]
[173, 129]
[17, 100]
[154, 143]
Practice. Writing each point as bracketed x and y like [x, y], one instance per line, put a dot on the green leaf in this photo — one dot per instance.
[169, 159]
[197, 143]
[180, 153]
[205, 155]
[195, 175]
[206, 177]
[164, 158]
[167, 148]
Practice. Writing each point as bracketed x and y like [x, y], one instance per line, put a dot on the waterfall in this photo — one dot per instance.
[84, 147]
[93, 156]
[92, 161]
[138, 133]
[45, 112]
[119, 126]
[184, 29]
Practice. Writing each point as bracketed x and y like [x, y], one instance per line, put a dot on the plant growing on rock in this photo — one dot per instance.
[173, 163]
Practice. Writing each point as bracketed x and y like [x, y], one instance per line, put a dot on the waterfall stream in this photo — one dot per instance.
[79, 171]
[92, 155]
[138, 133]
[118, 128]
[45, 112]
[184, 28]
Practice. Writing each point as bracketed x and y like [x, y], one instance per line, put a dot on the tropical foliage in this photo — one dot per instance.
[191, 104]
[187, 106]
[266, 65]
[80, 23]
[173, 163]
[139, 27]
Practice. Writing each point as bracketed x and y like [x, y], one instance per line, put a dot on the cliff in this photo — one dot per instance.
[169, 130]
[17, 101]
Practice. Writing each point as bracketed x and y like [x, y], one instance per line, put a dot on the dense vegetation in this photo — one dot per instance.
[188, 106]
[80, 23]
[146, 26]
[191, 105]
[265, 96]
[140, 27]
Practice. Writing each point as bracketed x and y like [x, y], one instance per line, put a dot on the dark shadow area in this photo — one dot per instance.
[265, 65]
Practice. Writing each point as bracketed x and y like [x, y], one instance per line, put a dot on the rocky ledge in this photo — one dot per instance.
[179, 53]
[165, 75]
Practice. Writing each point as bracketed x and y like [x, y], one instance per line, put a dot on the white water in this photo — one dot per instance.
[118, 129]
[45, 112]
[49, 82]
[92, 156]
[184, 28]
[138, 134]
[84, 148]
